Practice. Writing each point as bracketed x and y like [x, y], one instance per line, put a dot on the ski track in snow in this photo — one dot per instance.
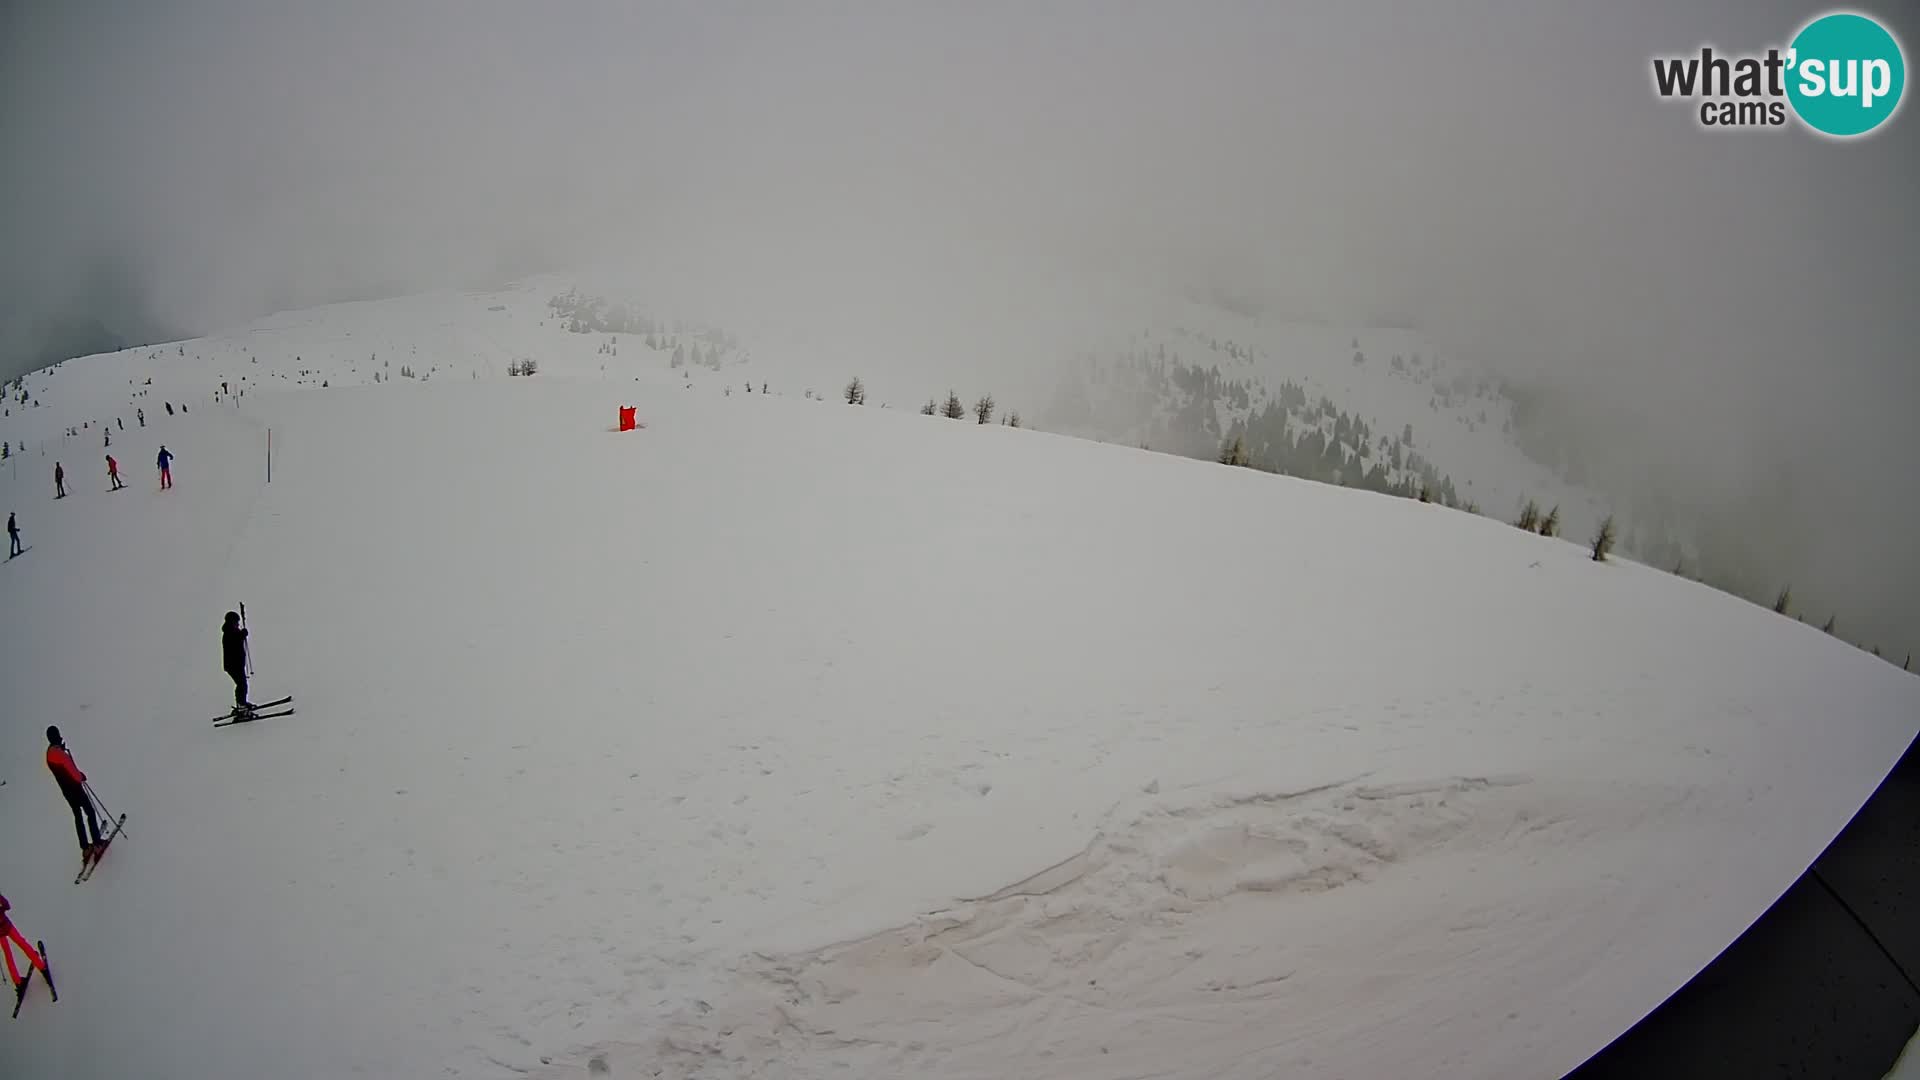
[679, 751]
[1203, 934]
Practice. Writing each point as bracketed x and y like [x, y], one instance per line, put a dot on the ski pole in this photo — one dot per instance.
[246, 644]
[98, 801]
[114, 828]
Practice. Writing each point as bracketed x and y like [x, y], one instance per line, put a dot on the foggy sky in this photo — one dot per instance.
[1732, 313]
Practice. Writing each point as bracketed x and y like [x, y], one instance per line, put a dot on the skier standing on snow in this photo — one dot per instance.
[71, 779]
[233, 657]
[11, 933]
[113, 473]
[59, 481]
[13, 536]
[140, 415]
[165, 461]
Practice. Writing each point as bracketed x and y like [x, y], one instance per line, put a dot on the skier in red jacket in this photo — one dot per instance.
[11, 933]
[71, 779]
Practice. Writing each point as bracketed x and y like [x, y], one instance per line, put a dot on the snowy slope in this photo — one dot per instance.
[1908, 1067]
[785, 738]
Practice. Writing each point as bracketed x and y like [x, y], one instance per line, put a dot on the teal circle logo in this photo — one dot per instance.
[1845, 74]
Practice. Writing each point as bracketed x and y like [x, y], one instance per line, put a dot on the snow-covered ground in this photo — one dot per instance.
[782, 738]
[1908, 1067]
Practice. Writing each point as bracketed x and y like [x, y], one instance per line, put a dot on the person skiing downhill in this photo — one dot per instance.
[59, 481]
[11, 933]
[71, 781]
[13, 536]
[233, 657]
[113, 473]
[165, 461]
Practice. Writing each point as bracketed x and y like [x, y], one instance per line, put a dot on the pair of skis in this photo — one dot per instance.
[20, 988]
[258, 712]
[91, 862]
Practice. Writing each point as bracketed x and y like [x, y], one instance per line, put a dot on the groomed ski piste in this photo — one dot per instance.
[785, 738]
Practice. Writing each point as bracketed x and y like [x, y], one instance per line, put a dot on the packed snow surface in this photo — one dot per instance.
[785, 738]
[1908, 1067]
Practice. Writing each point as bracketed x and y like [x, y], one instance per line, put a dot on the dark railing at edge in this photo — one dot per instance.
[1823, 985]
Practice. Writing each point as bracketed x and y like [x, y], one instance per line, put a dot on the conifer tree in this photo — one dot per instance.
[1603, 540]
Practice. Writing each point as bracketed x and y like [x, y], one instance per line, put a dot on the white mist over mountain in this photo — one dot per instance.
[1722, 319]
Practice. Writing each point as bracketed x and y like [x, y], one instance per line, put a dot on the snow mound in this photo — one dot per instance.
[1211, 934]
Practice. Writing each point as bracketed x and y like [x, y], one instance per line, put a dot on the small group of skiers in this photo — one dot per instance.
[164, 461]
[60, 492]
[86, 823]
[81, 802]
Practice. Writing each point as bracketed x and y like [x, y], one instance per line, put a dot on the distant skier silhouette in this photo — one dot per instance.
[113, 474]
[165, 461]
[13, 536]
[59, 481]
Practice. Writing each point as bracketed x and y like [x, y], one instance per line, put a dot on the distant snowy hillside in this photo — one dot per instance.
[1377, 398]
[1378, 410]
[783, 737]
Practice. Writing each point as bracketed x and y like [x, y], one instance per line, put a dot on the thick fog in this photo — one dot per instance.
[1725, 319]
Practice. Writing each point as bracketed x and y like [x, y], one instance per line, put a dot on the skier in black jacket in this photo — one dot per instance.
[233, 657]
